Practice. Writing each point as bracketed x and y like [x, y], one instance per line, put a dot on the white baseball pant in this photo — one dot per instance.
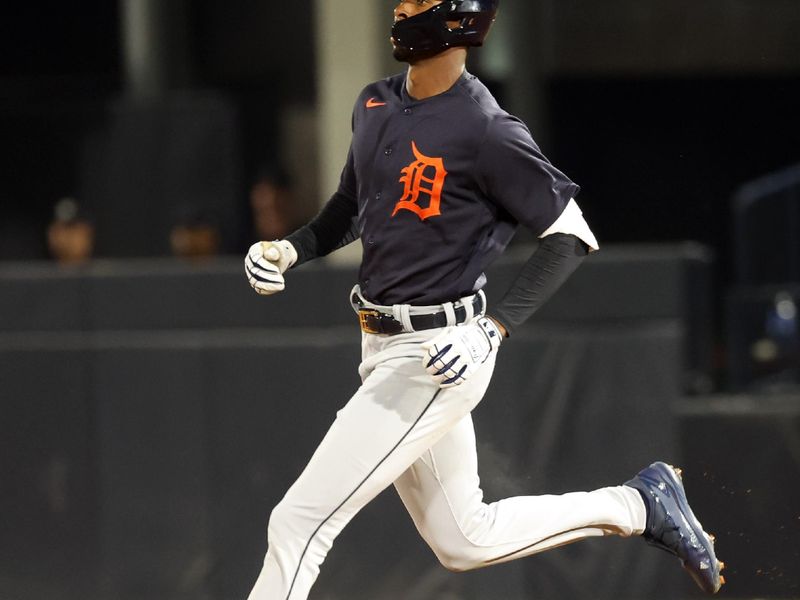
[400, 428]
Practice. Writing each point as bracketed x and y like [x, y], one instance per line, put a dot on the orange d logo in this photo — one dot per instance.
[415, 180]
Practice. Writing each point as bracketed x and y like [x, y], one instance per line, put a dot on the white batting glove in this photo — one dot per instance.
[456, 353]
[265, 264]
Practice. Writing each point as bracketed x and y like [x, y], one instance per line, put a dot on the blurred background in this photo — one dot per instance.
[152, 408]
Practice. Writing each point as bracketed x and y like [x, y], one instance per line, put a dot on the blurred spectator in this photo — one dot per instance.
[70, 235]
[274, 210]
[194, 235]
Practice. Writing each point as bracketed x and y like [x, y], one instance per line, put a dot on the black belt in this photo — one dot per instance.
[376, 321]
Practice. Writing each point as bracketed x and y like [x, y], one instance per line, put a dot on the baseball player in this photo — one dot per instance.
[437, 179]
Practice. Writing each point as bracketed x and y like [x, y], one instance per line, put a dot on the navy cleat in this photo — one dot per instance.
[672, 526]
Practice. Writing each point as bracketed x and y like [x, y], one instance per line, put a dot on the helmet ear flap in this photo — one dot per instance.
[476, 27]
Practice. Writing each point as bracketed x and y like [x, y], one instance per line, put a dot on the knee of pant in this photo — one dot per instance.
[280, 521]
[457, 560]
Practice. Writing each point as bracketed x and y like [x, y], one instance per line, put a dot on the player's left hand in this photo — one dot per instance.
[456, 353]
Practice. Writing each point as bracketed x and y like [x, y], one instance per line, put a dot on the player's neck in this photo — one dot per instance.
[437, 74]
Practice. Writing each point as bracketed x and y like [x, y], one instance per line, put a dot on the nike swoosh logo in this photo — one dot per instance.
[372, 103]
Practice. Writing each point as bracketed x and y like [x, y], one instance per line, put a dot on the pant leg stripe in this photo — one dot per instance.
[350, 495]
[545, 540]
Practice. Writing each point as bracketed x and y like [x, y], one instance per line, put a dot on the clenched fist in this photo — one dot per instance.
[265, 264]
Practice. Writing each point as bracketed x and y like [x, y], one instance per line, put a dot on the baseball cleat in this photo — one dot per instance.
[673, 527]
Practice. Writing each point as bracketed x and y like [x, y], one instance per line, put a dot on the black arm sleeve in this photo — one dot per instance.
[555, 259]
[333, 228]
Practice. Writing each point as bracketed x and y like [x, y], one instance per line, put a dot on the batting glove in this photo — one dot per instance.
[456, 353]
[265, 264]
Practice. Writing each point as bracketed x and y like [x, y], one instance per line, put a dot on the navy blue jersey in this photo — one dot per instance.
[440, 186]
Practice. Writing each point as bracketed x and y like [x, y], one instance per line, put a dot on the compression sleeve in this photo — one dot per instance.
[552, 263]
[333, 228]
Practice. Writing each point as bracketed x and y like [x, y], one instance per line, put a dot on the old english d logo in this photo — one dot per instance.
[425, 176]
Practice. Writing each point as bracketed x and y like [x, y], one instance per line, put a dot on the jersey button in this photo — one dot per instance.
[388, 150]
[407, 111]
[371, 241]
[378, 196]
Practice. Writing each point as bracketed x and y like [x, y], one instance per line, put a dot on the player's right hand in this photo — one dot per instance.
[456, 353]
[265, 264]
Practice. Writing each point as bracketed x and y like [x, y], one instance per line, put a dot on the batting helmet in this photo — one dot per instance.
[428, 34]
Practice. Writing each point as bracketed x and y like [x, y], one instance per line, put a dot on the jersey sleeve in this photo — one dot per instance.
[514, 174]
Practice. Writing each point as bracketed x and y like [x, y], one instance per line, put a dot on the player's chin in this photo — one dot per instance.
[402, 54]
[412, 57]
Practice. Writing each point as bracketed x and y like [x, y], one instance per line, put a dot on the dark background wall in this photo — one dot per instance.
[154, 412]
[661, 158]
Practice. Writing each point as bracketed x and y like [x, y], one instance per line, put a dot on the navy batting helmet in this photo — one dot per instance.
[428, 33]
